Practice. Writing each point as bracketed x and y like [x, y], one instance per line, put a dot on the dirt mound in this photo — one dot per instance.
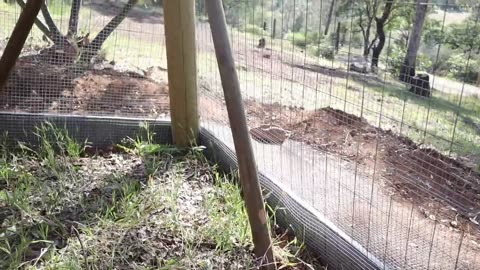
[441, 187]
[39, 87]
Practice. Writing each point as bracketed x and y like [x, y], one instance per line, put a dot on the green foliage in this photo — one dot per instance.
[432, 32]
[464, 36]
[55, 141]
[327, 52]
[145, 147]
[227, 212]
[356, 40]
[256, 30]
[299, 22]
[463, 70]
[439, 60]
[297, 39]
[314, 38]
[397, 56]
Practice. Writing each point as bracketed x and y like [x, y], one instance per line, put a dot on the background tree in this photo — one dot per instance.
[380, 25]
[329, 18]
[72, 44]
[407, 70]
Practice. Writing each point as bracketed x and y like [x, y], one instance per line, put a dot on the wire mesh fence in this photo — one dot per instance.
[384, 148]
[391, 163]
[100, 67]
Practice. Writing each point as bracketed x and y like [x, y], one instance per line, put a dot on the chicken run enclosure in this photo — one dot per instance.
[371, 156]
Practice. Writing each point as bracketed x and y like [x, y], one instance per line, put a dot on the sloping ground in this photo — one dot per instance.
[364, 207]
[433, 218]
[443, 188]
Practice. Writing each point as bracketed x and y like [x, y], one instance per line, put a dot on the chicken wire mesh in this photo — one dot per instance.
[392, 165]
[106, 64]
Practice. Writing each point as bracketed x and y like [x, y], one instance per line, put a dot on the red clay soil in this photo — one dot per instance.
[442, 188]
[37, 86]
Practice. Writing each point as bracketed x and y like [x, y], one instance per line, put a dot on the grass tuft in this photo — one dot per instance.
[150, 207]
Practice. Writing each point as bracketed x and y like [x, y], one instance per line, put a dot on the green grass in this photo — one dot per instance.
[63, 209]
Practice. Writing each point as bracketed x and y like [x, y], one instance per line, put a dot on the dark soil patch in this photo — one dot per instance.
[442, 188]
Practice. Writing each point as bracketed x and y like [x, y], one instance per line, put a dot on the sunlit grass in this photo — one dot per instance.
[59, 212]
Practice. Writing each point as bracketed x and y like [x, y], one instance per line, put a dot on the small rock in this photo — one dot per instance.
[454, 224]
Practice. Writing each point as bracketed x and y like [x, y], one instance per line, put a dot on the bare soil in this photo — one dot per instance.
[442, 188]
[38, 87]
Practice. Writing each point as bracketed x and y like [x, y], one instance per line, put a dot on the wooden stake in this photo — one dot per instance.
[179, 16]
[17, 39]
[274, 28]
[243, 146]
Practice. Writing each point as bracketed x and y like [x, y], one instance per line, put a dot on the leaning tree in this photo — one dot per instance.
[380, 25]
[407, 71]
[72, 45]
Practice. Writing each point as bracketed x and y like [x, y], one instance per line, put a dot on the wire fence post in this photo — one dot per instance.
[182, 69]
[243, 146]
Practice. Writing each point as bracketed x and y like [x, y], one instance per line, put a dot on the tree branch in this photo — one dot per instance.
[367, 8]
[373, 42]
[360, 21]
[55, 34]
[73, 22]
[387, 11]
[38, 22]
[98, 41]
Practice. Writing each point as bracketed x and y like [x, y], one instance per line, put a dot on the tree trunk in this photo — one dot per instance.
[74, 14]
[17, 39]
[380, 25]
[407, 70]
[377, 49]
[366, 42]
[38, 23]
[337, 37]
[329, 18]
[274, 28]
[92, 49]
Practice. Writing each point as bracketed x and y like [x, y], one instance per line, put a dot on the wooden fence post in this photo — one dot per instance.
[17, 39]
[243, 146]
[179, 16]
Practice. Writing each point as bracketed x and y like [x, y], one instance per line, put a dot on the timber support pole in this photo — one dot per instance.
[179, 16]
[17, 39]
[243, 145]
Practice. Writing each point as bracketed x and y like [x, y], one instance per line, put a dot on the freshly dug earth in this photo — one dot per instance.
[37, 86]
[440, 187]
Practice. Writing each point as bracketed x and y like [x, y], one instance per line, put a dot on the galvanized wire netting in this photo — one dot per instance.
[392, 165]
[96, 69]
